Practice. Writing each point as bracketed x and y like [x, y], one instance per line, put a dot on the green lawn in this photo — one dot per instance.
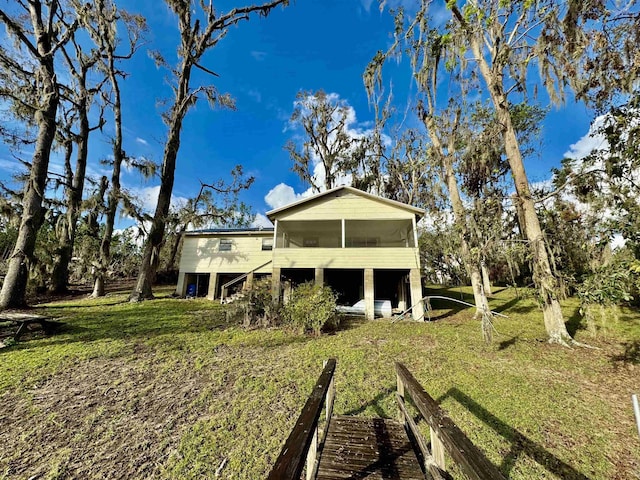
[166, 389]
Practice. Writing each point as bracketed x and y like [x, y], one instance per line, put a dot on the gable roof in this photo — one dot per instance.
[419, 212]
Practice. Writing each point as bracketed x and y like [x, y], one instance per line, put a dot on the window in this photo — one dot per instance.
[267, 244]
[225, 245]
[310, 242]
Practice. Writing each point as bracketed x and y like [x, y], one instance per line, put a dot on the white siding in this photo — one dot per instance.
[200, 254]
[344, 205]
[395, 258]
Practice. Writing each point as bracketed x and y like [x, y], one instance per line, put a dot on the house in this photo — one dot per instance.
[363, 246]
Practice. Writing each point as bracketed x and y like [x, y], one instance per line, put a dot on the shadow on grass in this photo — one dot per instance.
[445, 308]
[574, 323]
[126, 324]
[168, 322]
[630, 355]
[454, 308]
[520, 443]
[508, 343]
[348, 322]
[448, 312]
[507, 305]
[375, 403]
[522, 310]
[75, 307]
[453, 292]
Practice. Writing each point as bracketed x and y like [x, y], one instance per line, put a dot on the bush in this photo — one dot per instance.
[614, 284]
[256, 308]
[310, 307]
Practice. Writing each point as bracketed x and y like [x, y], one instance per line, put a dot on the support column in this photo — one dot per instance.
[415, 232]
[213, 284]
[416, 294]
[180, 286]
[248, 283]
[320, 276]
[369, 294]
[275, 284]
[402, 294]
[275, 234]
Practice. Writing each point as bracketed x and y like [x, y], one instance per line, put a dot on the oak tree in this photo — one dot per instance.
[201, 28]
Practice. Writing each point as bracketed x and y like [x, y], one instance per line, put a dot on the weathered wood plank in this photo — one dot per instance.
[472, 461]
[366, 448]
[430, 466]
[290, 463]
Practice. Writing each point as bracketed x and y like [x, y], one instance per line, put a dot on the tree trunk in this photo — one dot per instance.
[98, 287]
[543, 277]
[486, 280]
[175, 247]
[60, 275]
[519, 215]
[460, 218]
[61, 230]
[15, 282]
[114, 193]
[151, 256]
[102, 264]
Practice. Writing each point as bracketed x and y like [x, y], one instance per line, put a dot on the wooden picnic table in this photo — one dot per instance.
[24, 320]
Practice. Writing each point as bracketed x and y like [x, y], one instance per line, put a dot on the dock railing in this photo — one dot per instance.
[301, 448]
[445, 435]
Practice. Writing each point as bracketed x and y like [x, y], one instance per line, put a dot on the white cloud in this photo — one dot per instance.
[149, 198]
[430, 221]
[591, 141]
[97, 171]
[130, 161]
[56, 166]
[283, 194]
[261, 221]
[142, 141]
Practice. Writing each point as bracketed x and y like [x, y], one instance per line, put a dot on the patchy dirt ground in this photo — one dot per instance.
[102, 419]
[613, 384]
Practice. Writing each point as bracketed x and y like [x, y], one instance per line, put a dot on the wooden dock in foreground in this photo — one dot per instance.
[357, 448]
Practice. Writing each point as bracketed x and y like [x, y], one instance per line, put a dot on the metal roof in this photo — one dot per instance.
[232, 231]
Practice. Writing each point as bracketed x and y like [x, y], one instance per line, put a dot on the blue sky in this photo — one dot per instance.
[263, 64]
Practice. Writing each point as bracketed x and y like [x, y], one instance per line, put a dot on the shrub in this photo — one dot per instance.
[310, 307]
[256, 308]
[613, 284]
